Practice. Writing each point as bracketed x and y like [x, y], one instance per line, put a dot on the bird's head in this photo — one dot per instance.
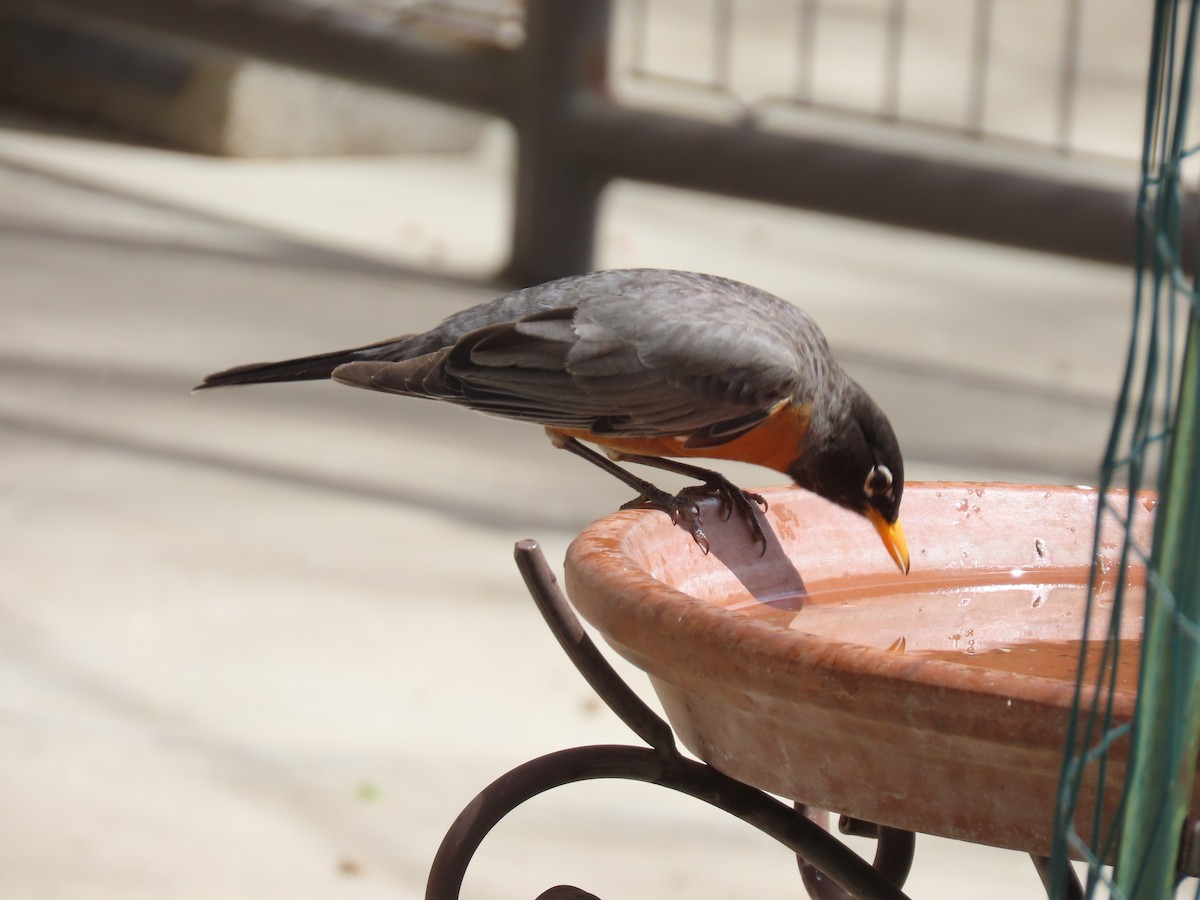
[854, 460]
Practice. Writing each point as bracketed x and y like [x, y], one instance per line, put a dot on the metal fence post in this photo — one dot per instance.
[563, 61]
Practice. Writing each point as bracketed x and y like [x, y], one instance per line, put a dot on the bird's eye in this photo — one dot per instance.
[879, 481]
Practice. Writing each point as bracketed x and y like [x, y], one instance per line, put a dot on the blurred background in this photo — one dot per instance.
[268, 642]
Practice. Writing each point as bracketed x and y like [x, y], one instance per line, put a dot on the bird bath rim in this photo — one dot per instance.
[613, 539]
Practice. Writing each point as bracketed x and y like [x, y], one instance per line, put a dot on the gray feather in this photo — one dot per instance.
[640, 352]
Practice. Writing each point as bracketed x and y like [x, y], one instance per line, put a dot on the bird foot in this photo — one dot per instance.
[684, 508]
[734, 499]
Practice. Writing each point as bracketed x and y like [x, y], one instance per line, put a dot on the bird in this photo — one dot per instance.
[653, 367]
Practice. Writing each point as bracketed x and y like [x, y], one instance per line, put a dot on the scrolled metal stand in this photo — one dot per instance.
[830, 870]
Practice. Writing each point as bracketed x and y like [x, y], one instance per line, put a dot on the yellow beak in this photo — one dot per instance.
[892, 535]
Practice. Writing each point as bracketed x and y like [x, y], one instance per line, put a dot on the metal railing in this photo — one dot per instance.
[1058, 75]
[548, 73]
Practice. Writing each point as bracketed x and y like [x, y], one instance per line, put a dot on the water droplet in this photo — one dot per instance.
[962, 506]
[1149, 502]
[975, 509]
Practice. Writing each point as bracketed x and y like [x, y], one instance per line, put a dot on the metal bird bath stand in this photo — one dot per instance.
[830, 870]
[853, 688]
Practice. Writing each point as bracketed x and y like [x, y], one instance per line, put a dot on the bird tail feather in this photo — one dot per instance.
[305, 368]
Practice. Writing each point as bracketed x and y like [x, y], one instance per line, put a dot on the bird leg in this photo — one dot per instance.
[714, 484]
[683, 508]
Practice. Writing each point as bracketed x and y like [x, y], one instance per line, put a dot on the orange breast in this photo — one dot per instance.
[775, 443]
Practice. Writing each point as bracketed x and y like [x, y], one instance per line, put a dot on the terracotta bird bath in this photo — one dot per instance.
[935, 703]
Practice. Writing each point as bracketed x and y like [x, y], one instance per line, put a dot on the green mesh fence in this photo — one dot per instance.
[1127, 786]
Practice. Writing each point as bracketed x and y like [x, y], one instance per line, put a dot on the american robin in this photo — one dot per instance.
[653, 366]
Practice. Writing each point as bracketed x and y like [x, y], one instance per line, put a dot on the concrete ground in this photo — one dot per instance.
[268, 642]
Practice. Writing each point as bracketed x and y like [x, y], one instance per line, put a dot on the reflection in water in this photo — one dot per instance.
[1017, 621]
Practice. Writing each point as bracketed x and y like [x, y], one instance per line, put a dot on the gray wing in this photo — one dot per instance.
[625, 352]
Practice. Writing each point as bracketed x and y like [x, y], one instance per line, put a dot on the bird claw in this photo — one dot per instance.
[731, 498]
[684, 509]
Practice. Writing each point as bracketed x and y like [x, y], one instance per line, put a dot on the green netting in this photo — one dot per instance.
[1136, 820]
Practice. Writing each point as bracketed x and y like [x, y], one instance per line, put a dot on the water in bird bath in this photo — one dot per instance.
[1025, 622]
